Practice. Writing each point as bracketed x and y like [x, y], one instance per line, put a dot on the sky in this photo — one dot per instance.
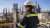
[7, 3]
[44, 4]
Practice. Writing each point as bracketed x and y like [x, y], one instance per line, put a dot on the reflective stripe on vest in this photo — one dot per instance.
[31, 15]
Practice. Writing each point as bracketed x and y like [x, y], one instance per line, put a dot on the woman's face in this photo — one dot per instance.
[28, 8]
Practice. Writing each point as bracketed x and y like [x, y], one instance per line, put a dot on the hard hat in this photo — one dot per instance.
[28, 2]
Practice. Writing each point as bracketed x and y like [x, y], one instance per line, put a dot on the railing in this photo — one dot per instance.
[44, 25]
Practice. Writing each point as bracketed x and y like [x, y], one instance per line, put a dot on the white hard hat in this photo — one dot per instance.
[28, 2]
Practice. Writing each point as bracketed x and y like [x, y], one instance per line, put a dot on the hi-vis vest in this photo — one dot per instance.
[28, 15]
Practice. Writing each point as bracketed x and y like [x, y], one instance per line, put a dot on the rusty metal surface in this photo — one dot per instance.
[7, 25]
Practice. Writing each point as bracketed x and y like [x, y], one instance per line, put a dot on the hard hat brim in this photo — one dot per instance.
[29, 6]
